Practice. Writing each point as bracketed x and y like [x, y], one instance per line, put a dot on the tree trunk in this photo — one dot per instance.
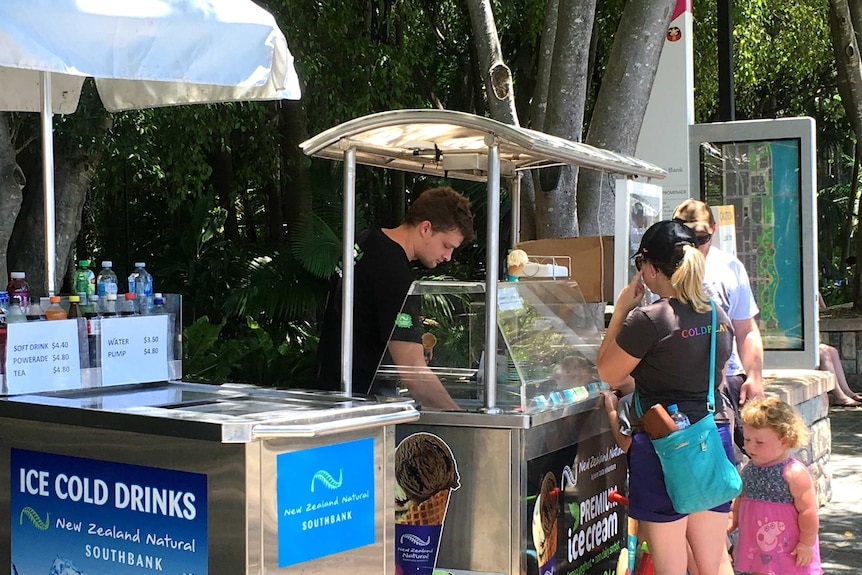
[564, 117]
[849, 70]
[296, 195]
[621, 103]
[11, 189]
[73, 170]
[498, 87]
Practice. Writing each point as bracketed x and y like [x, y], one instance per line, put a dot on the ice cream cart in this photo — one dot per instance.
[533, 448]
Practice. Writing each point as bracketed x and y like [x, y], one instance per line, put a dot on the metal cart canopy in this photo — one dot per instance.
[452, 144]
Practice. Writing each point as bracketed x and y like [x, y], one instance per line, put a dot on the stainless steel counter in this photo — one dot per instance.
[198, 479]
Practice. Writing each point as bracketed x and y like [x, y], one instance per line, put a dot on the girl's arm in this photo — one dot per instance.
[805, 501]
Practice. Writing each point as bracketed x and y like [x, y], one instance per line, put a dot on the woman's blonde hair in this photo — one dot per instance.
[772, 413]
[686, 276]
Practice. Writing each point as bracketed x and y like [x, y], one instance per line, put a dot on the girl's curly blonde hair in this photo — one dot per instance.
[772, 413]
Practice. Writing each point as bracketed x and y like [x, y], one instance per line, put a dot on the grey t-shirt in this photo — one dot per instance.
[673, 342]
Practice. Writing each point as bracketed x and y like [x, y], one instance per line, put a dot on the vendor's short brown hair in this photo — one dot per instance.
[446, 209]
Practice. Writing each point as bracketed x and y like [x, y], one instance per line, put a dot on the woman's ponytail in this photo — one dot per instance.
[687, 279]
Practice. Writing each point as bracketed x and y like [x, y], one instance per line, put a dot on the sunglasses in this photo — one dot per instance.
[639, 261]
[701, 239]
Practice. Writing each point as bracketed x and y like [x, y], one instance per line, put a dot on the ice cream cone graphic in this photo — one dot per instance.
[544, 529]
[425, 476]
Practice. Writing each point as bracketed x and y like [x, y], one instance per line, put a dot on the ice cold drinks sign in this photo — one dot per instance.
[102, 517]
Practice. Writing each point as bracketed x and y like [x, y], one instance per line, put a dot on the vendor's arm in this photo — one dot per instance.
[750, 348]
[419, 380]
[614, 364]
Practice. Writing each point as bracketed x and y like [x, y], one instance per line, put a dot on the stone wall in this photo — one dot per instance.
[806, 390]
[845, 335]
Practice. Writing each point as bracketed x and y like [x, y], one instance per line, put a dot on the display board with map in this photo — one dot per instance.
[762, 180]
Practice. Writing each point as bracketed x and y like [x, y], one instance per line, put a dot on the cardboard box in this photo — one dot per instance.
[592, 262]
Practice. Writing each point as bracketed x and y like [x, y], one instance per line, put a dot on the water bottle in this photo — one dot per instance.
[677, 416]
[106, 281]
[128, 306]
[141, 284]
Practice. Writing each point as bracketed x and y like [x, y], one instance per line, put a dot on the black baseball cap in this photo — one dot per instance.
[660, 240]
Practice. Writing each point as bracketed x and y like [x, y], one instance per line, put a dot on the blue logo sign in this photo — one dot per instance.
[325, 500]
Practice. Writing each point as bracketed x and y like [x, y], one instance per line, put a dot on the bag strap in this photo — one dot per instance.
[710, 396]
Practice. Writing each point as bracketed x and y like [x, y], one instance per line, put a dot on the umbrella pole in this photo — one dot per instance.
[48, 183]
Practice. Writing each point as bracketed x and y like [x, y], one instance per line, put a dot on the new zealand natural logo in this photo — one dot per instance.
[34, 518]
[327, 480]
[415, 540]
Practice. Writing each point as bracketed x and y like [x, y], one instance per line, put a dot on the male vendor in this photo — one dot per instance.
[726, 280]
[436, 223]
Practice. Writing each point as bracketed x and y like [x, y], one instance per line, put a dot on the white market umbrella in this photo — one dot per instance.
[142, 54]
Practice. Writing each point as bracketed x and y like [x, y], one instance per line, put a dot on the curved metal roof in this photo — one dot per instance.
[454, 144]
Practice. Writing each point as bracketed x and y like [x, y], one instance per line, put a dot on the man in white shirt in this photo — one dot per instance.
[727, 282]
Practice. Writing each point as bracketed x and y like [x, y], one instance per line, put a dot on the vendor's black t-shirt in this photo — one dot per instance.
[672, 342]
[382, 278]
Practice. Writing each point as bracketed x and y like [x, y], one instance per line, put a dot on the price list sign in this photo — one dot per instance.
[134, 349]
[42, 356]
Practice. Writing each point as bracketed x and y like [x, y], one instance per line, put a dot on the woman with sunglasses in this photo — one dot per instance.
[665, 346]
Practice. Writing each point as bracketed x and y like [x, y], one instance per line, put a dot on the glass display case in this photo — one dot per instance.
[547, 340]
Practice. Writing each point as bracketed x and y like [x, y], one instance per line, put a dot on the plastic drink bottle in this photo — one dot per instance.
[55, 311]
[34, 312]
[141, 284]
[677, 416]
[18, 286]
[94, 330]
[110, 307]
[160, 309]
[4, 307]
[85, 279]
[129, 307]
[15, 313]
[106, 281]
[76, 313]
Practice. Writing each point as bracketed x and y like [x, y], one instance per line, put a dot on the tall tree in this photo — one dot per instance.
[621, 104]
[12, 182]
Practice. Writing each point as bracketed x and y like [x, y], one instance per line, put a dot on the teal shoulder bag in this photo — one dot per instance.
[697, 473]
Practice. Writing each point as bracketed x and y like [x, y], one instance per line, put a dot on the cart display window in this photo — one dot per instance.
[547, 339]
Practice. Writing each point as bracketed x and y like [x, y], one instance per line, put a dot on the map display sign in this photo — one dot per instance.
[762, 181]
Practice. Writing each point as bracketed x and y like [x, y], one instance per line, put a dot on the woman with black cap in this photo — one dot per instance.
[665, 346]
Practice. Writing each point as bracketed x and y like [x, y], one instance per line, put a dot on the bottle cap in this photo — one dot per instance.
[16, 300]
[107, 264]
[54, 299]
[155, 295]
[84, 263]
[94, 298]
[128, 296]
[17, 275]
[111, 296]
[73, 299]
[672, 408]
[140, 264]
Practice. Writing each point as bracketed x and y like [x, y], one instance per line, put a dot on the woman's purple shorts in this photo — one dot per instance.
[648, 499]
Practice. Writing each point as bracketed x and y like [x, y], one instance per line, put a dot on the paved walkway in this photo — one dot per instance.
[841, 518]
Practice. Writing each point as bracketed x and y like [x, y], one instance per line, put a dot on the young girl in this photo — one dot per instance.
[777, 511]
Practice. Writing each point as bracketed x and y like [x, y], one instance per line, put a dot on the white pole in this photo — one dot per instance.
[48, 183]
[347, 272]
